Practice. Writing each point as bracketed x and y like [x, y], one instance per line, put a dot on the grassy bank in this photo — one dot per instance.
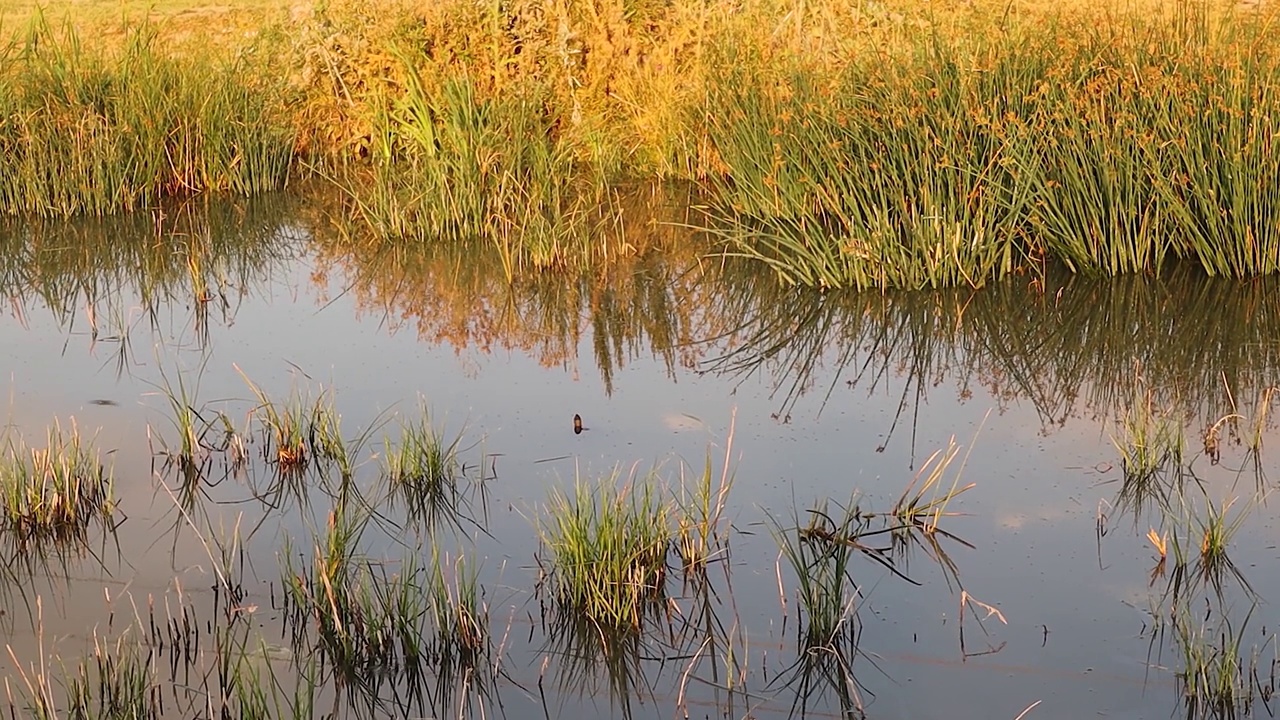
[885, 145]
[93, 131]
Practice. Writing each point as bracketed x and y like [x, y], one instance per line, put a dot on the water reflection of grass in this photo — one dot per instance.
[103, 277]
[1070, 347]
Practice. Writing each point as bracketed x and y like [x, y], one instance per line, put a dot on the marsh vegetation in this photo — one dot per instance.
[322, 464]
[1101, 140]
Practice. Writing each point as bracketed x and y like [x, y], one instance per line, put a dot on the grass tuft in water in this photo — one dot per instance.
[1217, 529]
[913, 509]
[300, 431]
[1220, 677]
[820, 554]
[702, 532]
[424, 469]
[1152, 445]
[606, 550]
[387, 633]
[119, 681]
[54, 491]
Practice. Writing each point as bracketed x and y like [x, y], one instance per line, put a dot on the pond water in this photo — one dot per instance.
[1039, 592]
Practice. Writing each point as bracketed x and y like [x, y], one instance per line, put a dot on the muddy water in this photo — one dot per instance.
[1044, 594]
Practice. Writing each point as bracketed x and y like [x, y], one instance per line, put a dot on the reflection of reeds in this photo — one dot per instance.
[1068, 347]
[585, 651]
[131, 270]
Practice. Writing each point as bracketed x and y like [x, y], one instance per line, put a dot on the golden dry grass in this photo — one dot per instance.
[625, 74]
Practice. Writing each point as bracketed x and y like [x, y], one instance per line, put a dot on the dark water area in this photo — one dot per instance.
[1040, 590]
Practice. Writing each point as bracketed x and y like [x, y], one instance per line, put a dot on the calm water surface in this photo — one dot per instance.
[832, 398]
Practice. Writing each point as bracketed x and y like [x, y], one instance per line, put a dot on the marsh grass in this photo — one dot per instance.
[168, 662]
[119, 680]
[913, 509]
[1217, 530]
[702, 530]
[821, 555]
[1152, 447]
[416, 638]
[1200, 540]
[203, 434]
[458, 166]
[1111, 147]
[606, 549]
[55, 491]
[300, 431]
[1221, 674]
[1045, 136]
[87, 131]
[826, 183]
[426, 473]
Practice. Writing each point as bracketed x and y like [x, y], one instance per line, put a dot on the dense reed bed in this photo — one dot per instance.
[84, 130]
[1111, 148]
[895, 146]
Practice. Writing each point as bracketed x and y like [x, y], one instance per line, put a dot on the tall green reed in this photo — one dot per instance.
[454, 166]
[1111, 148]
[87, 131]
